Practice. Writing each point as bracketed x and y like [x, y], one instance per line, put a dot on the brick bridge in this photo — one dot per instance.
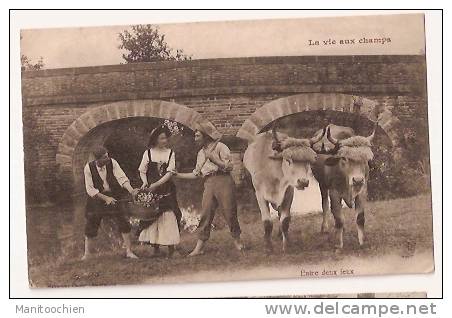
[76, 108]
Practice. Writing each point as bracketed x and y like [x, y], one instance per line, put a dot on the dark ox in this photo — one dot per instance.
[342, 171]
[278, 164]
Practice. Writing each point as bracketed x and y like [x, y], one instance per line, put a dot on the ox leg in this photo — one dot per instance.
[285, 217]
[279, 233]
[360, 218]
[336, 209]
[325, 208]
[284, 223]
[266, 219]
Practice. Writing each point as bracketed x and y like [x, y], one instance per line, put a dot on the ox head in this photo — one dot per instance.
[352, 162]
[296, 155]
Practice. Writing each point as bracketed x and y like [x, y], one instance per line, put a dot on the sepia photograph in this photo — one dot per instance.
[226, 151]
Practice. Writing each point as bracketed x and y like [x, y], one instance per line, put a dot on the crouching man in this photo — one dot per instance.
[105, 182]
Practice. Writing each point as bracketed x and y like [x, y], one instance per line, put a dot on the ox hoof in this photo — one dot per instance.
[286, 246]
[361, 241]
[363, 246]
[87, 257]
[324, 229]
[338, 250]
[338, 246]
[268, 248]
[239, 246]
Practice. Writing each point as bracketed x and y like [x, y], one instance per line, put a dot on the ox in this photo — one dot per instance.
[278, 164]
[342, 171]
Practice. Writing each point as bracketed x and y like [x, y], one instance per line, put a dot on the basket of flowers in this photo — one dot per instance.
[145, 205]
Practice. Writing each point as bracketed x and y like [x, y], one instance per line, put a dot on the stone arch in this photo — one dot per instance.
[79, 136]
[319, 101]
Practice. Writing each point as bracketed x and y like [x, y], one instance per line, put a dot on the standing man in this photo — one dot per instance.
[105, 182]
[214, 165]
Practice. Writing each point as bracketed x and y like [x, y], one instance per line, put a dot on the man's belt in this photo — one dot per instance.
[218, 173]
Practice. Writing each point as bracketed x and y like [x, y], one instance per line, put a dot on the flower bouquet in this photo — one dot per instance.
[190, 219]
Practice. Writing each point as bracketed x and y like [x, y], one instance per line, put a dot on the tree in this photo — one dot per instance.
[144, 43]
[28, 65]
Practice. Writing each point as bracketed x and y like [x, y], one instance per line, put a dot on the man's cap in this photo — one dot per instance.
[206, 127]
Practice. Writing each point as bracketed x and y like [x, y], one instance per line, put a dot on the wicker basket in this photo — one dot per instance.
[137, 210]
[140, 212]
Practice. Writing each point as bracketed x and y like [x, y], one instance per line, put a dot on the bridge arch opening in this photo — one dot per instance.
[123, 127]
[321, 109]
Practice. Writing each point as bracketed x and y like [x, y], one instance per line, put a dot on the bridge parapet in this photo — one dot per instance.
[214, 77]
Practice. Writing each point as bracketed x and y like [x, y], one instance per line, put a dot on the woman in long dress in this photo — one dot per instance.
[156, 169]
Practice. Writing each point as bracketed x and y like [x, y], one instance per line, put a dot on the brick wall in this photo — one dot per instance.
[225, 91]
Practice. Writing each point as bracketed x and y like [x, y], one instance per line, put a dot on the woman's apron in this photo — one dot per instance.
[168, 189]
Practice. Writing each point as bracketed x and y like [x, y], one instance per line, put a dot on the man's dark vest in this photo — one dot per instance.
[115, 187]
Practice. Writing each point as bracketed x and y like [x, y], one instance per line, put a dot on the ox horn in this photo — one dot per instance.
[315, 139]
[371, 137]
[276, 145]
[333, 140]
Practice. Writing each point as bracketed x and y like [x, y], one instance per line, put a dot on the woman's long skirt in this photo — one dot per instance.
[164, 231]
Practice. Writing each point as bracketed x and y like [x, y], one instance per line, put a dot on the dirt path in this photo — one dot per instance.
[354, 266]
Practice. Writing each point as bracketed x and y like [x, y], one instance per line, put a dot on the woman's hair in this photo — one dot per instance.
[156, 132]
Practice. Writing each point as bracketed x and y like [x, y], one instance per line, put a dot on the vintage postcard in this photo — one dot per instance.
[225, 151]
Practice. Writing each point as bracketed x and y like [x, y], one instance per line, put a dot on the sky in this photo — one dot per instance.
[89, 46]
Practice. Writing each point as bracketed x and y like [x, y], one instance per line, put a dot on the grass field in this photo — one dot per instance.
[399, 239]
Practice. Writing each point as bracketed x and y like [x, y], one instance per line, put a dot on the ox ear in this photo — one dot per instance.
[332, 161]
[276, 155]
